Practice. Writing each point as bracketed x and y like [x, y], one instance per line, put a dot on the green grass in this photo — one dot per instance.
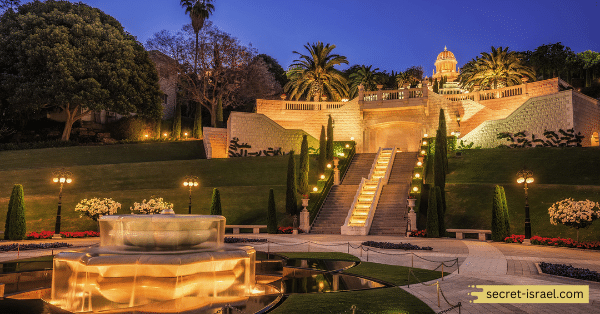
[131, 173]
[559, 173]
[322, 255]
[397, 275]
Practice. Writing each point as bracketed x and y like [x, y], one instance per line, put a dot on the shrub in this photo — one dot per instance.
[131, 128]
[432, 216]
[303, 175]
[215, 206]
[16, 215]
[322, 152]
[440, 210]
[574, 214]
[505, 211]
[271, 214]
[419, 233]
[569, 271]
[329, 147]
[291, 203]
[288, 230]
[498, 227]
[49, 234]
[395, 246]
[154, 206]
[95, 208]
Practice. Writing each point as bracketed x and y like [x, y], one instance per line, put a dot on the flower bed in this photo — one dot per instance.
[288, 230]
[48, 234]
[419, 233]
[395, 246]
[32, 246]
[242, 240]
[569, 271]
[561, 242]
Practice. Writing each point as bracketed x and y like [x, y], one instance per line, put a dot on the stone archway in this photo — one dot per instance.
[406, 136]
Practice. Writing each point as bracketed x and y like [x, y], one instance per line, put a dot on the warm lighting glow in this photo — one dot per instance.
[415, 189]
[452, 133]
[186, 134]
[322, 177]
[62, 180]
[195, 183]
[69, 180]
[185, 184]
[146, 135]
[315, 189]
[352, 138]
[347, 145]
[425, 135]
[520, 180]
[417, 175]
[424, 142]
[329, 166]
[345, 100]
[529, 180]
[55, 180]
[419, 163]
[423, 152]
[341, 154]
[165, 134]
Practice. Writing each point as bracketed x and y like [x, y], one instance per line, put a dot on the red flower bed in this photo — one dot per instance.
[419, 233]
[563, 242]
[48, 234]
[288, 230]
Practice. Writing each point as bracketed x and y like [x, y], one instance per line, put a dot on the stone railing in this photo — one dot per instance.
[308, 105]
[391, 98]
[533, 89]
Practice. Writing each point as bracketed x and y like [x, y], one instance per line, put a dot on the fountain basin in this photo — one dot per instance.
[163, 232]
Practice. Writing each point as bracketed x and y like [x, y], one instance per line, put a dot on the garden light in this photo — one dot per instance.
[328, 166]
[165, 134]
[322, 177]
[341, 154]
[190, 181]
[425, 135]
[423, 152]
[417, 175]
[347, 145]
[146, 136]
[526, 176]
[315, 189]
[419, 164]
[62, 177]
[352, 138]
[424, 142]
[415, 189]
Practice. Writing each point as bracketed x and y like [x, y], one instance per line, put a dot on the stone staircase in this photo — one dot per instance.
[391, 213]
[340, 197]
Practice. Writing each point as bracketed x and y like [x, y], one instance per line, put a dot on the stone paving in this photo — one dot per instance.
[481, 263]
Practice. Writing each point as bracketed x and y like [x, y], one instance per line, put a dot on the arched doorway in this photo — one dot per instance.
[406, 136]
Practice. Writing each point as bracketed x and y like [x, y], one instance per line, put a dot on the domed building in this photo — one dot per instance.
[445, 65]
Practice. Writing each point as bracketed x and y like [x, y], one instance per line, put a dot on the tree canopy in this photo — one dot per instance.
[366, 76]
[73, 57]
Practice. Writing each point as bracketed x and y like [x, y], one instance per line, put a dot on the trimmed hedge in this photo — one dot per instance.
[271, 214]
[15, 218]
[215, 207]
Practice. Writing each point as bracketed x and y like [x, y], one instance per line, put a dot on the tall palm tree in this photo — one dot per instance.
[199, 11]
[365, 76]
[314, 75]
[500, 68]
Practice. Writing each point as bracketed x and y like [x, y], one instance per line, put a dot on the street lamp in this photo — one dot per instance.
[60, 176]
[190, 181]
[526, 176]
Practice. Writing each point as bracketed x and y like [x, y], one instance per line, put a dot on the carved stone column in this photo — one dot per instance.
[305, 216]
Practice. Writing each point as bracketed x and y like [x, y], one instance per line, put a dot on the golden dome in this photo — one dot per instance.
[444, 55]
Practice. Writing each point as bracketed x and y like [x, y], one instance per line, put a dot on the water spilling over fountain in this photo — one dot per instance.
[161, 263]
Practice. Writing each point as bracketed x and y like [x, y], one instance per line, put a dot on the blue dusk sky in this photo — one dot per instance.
[390, 35]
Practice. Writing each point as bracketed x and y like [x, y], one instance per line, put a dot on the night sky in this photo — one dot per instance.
[390, 35]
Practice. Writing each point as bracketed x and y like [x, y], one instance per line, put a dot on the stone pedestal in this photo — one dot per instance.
[57, 236]
[305, 216]
[336, 172]
[412, 216]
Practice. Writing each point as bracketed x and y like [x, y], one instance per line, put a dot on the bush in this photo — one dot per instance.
[395, 246]
[291, 203]
[95, 208]
[271, 214]
[432, 216]
[215, 206]
[131, 128]
[498, 219]
[15, 225]
[569, 271]
[154, 206]
[322, 161]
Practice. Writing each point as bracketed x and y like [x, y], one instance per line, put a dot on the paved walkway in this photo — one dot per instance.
[481, 263]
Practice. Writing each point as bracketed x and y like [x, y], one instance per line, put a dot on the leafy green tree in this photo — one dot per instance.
[271, 214]
[322, 152]
[366, 77]
[313, 75]
[197, 131]
[550, 61]
[433, 229]
[304, 164]
[498, 220]
[500, 68]
[57, 54]
[199, 11]
[291, 201]
[177, 121]
[220, 113]
[8, 4]
[16, 227]
[275, 68]
[590, 61]
[329, 147]
[215, 206]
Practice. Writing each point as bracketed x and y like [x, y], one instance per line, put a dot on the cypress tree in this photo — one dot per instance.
[215, 206]
[435, 86]
[16, 227]
[7, 222]
[440, 212]
[322, 152]
[498, 228]
[303, 175]
[329, 155]
[219, 114]
[271, 214]
[441, 140]
[197, 131]
[439, 173]
[177, 121]
[291, 203]
[433, 229]
[505, 215]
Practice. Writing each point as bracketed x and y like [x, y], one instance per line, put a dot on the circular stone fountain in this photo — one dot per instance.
[161, 263]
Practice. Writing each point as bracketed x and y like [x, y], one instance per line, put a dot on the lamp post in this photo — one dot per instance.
[60, 176]
[190, 181]
[526, 176]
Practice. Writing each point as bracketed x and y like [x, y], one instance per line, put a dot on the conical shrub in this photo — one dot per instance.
[498, 228]
[433, 230]
[215, 206]
[16, 225]
[271, 214]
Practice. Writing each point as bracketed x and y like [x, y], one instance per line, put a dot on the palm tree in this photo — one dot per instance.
[365, 76]
[314, 75]
[498, 69]
[199, 11]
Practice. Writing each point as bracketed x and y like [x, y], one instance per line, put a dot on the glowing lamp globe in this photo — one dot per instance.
[415, 189]
[55, 180]
[352, 138]
[347, 145]
[529, 180]
[322, 177]
[315, 189]
[419, 164]
[520, 180]
[423, 152]
[424, 142]
[329, 166]
[417, 175]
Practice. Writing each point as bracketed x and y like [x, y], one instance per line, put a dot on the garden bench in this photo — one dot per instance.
[255, 228]
[460, 232]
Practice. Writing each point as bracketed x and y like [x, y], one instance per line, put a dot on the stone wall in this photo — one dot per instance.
[535, 116]
[215, 142]
[586, 114]
[253, 134]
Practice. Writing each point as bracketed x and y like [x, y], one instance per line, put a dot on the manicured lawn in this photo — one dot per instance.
[559, 174]
[322, 255]
[397, 275]
[131, 173]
